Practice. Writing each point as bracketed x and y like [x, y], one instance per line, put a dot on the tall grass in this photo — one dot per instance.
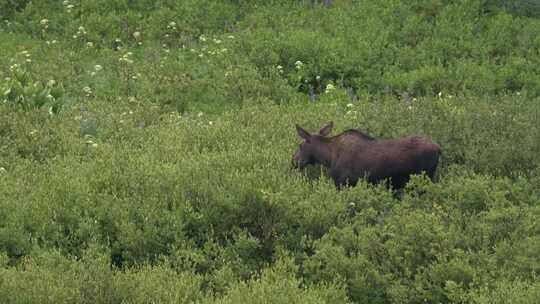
[146, 149]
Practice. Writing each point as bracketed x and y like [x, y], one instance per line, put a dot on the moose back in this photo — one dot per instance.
[352, 155]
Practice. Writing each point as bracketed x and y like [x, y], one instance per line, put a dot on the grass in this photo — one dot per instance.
[156, 167]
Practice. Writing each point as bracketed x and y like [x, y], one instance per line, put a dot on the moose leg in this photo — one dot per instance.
[339, 177]
[340, 182]
[399, 182]
[431, 166]
[432, 171]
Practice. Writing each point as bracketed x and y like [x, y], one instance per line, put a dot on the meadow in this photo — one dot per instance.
[145, 151]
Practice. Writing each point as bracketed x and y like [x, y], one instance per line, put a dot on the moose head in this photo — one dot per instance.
[313, 149]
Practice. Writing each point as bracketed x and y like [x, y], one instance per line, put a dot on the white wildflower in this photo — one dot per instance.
[90, 44]
[126, 58]
[136, 35]
[329, 88]
[87, 90]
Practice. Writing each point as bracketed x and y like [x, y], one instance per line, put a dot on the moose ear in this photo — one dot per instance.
[325, 131]
[303, 133]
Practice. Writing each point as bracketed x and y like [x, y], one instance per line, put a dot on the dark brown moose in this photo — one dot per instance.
[352, 155]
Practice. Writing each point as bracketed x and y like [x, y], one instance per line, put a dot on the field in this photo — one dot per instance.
[145, 151]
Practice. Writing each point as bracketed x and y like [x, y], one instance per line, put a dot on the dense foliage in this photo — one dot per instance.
[146, 148]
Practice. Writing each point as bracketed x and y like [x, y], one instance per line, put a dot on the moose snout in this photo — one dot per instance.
[295, 162]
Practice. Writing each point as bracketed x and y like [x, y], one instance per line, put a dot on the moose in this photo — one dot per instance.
[353, 154]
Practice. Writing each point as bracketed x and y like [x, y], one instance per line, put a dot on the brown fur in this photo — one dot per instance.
[352, 155]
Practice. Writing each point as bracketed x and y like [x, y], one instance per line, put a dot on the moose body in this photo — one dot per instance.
[352, 155]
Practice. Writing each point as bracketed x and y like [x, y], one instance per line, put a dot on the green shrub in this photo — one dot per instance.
[279, 285]
[9, 7]
[22, 91]
[164, 172]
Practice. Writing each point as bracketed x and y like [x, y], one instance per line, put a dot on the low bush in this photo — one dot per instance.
[146, 156]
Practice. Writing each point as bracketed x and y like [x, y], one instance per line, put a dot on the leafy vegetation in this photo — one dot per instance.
[146, 151]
